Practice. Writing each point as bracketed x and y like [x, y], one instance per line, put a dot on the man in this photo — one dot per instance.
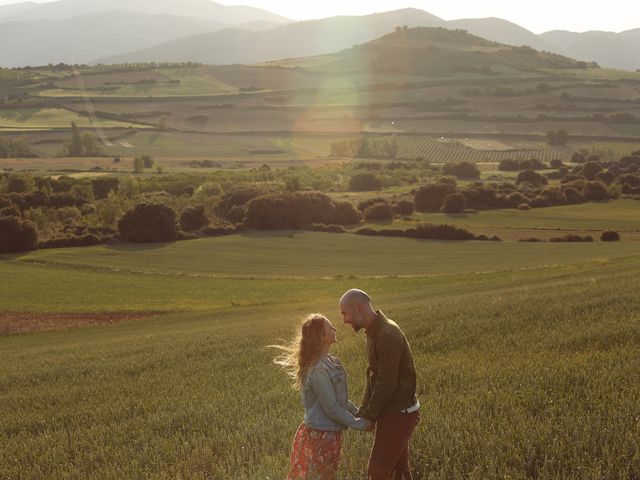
[390, 393]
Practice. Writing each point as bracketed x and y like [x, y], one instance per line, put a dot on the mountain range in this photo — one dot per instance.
[117, 31]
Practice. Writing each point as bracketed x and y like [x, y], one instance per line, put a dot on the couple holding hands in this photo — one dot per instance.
[389, 406]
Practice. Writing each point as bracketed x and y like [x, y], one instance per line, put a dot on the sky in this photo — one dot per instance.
[538, 16]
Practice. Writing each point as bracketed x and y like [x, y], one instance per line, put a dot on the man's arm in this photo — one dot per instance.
[388, 353]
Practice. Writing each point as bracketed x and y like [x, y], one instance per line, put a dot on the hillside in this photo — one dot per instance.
[300, 39]
[433, 52]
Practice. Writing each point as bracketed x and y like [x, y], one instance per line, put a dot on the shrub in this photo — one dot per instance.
[237, 214]
[379, 212]
[572, 195]
[462, 170]
[423, 231]
[403, 208]
[605, 177]
[148, 222]
[237, 197]
[364, 182]
[17, 235]
[11, 211]
[532, 177]
[363, 205]
[556, 163]
[102, 186]
[578, 157]
[571, 238]
[319, 227]
[590, 170]
[346, 214]
[610, 236]
[269, 212]
[524, 206]
[595, 191]
[454, 203]
[429, 198]
[193, 218]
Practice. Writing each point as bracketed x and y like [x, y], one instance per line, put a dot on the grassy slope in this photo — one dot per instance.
[522, 372]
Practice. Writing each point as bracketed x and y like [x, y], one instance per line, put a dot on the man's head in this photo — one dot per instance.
[356, 309]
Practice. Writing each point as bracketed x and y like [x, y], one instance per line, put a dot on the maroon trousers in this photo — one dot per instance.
[389, 458]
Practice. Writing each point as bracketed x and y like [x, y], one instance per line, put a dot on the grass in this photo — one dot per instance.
[526, 357]
[621, 215]
[192, 82]
[44, 118]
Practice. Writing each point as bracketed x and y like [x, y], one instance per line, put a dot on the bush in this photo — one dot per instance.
[149, 222]
[237, 214]
[571, 238]
[572, 195]
[429, 198]
[454, 203]
[524, 206]
[346, 214]
[610, 236]
[102, 186]
[404, 208]
[363, 205]
[364, 182]
[532, 177]
[379, 212]
[17, 235]
[595, 191]
[319, 227]
[426, 231]
[590, 170]
[193, 218]
[462, 170]
[237, 197]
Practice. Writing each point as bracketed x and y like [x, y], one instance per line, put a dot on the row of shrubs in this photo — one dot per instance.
[606, 236]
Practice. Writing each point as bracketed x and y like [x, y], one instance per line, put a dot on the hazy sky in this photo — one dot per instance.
[538, 16]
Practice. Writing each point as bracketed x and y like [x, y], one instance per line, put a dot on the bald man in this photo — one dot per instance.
[390, 394]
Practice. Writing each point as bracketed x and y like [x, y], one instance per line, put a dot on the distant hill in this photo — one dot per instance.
[438, 52]
[86, 37]
[202, 9]
[8, 11]
[502, 31]
[314, 37]
[616, 50]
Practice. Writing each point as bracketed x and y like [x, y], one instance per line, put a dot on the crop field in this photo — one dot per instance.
[526, 356]
[44, 118]
[447, 151]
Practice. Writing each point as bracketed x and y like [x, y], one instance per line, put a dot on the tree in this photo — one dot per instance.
[149, 222]
[364, 182]
[17, 235]
[454, 203]
[74, 149]
[138, 165]
[147, 161]
[462, 170]
[429, 198]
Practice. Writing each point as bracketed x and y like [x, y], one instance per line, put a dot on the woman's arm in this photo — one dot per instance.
[321, 384]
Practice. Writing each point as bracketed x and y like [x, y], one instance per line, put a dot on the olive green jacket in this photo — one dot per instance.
[391, 376]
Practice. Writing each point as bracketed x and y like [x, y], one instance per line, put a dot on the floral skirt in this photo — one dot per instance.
[315, 454]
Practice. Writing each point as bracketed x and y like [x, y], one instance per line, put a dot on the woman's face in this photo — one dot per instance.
[329, 336]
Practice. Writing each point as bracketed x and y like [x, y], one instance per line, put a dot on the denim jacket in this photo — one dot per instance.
[325, 398]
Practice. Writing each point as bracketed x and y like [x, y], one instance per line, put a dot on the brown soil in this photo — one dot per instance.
[19, 322]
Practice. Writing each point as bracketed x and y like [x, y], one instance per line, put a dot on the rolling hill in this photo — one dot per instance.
[203, 9]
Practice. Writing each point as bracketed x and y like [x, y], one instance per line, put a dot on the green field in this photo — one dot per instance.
[526, 356]
[46, 118]
[620, 215]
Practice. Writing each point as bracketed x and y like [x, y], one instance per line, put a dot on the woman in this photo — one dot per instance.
[322, 381]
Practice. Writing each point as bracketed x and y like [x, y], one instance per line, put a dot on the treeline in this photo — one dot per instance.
[19, 147]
